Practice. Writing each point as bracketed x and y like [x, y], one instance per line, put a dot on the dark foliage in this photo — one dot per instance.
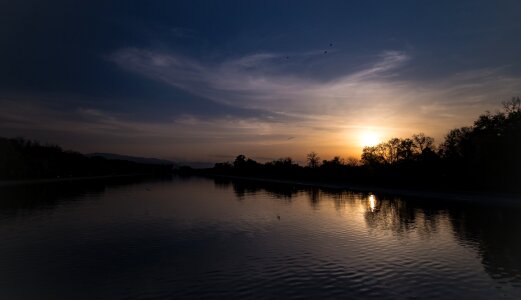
[485, 156]
[488, 154]
[25, 159]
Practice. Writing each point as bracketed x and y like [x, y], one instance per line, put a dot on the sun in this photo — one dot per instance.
[369, 139]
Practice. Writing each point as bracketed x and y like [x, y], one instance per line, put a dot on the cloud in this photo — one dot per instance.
[321, 113]
[90, 129]
[261, 80]
[375, 89]
[330, 111]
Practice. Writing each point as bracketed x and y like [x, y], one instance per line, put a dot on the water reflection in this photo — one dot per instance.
[497, 233]
[36, 196]
[242, 188]
[372, 203]
[314, 197]
[195, 237]
[494, 230]
[401, 217]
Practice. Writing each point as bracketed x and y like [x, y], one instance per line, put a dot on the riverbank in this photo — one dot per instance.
[425, 194]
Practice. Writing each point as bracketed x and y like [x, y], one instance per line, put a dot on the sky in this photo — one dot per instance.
[208, 80]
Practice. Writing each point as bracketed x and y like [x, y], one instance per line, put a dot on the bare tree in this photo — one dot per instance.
[313, 159]
[422, 142]
[513, 105]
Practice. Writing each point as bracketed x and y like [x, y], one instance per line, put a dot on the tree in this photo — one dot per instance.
[391, 149]
[373, 155]
[405, 149]
[353, 161]
[283, 162]
[336, 162]
[512, 106]
[422, 142]
[457, 143]
[240, 161]
[223, 166]
[313, 159]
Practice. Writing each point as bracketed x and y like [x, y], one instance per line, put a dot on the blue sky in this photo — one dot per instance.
[207, 80]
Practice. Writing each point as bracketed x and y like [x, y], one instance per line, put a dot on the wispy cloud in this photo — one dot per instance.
[183, 137]
[261, 80]
[304, 112]
[266, 81]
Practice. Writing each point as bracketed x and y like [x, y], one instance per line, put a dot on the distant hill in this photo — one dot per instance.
[153, 161]
[136, 159]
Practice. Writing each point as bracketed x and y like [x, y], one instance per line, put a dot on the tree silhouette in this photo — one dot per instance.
[422, 142]
[26, 159]
[512, 106]
[456, 144]
[313, 159]
[240, 161]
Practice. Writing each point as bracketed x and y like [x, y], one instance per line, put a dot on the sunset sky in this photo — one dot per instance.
[207, 80]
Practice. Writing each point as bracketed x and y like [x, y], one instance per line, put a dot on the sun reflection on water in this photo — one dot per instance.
[372, 203]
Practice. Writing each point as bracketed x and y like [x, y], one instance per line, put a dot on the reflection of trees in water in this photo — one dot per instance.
[37, 196]
[497, 232]
[222, 183]
[41, 195]
[280, 191]
[286, 192]
[402, 217]
[344, 200]
[494, 230]
[314, 197]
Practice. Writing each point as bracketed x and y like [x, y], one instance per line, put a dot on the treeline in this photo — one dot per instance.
[484, 156]
[26, 159]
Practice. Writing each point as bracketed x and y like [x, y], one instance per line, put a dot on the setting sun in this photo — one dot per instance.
[369, 139]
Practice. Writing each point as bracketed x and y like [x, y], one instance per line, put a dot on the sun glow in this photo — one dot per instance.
[372, 203]
[369, 139]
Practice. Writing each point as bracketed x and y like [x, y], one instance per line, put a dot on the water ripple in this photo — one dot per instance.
[191, 239]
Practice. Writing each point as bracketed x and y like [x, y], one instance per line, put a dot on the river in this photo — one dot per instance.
[178, 238]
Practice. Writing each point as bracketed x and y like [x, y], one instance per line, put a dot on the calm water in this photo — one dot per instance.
[200, 238]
